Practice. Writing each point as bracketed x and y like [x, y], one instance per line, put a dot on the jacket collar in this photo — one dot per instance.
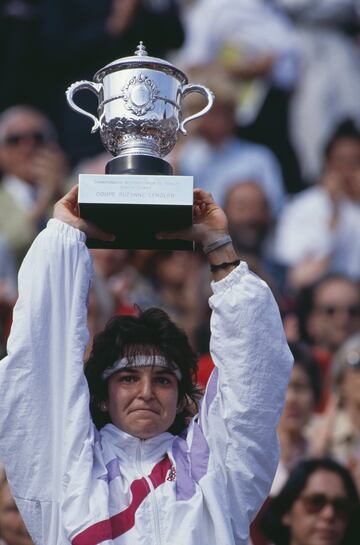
[128, 448]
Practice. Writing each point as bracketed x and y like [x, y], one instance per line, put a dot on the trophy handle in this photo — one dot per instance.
[187, 89]
[78, 86]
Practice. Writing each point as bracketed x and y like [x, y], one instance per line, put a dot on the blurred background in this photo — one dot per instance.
[280, 151]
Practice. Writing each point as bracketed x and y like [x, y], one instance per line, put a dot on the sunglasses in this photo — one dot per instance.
[315, 503]
[330, 310]
[38, 137]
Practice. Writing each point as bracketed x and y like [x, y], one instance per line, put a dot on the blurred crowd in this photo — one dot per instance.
[280, 151]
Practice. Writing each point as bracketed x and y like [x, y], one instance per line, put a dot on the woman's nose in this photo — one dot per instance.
[146, 388]
[328, 511]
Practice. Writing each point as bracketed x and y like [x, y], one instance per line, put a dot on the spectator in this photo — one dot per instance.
[12, 528]
[330, 312]
[218, 159]
[319, 230]
[262, 42]
[302, 396]
[125, 284]
[33, 170]
[329, 84]
[325, 315]
[253, 45]
[318, 505]
[250, 224]
[182, 283]
[342, 153]
[337, 432]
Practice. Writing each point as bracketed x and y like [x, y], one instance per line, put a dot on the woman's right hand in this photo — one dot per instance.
[67, 211]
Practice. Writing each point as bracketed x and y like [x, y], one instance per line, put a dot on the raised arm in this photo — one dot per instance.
[245, 394]
[44, 419]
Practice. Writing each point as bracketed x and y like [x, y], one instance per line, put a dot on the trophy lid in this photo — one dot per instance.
[141, 59]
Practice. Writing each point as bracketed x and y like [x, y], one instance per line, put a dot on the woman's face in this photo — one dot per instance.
[143, 400]
[319, 516]
[299, 402]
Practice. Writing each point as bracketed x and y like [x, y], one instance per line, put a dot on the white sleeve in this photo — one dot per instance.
[44, 418]
[245, 394]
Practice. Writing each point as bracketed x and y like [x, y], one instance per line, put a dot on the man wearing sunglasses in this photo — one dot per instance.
[334, 312]
[33, 168]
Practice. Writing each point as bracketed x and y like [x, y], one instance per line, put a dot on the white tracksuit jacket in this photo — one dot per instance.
[75, 485]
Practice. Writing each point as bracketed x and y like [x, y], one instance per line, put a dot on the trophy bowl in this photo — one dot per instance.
[139, 104]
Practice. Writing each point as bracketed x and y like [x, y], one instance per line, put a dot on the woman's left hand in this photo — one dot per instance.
[209, 222]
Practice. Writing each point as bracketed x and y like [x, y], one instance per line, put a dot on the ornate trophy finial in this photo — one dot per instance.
[141, 50]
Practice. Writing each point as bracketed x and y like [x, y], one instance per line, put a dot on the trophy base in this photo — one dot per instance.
[135, 207]
[139, 164]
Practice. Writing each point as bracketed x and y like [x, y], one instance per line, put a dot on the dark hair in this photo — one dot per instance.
[271, 523]
[304, 358]
[305, 301]
[151, 332]
[348, 129]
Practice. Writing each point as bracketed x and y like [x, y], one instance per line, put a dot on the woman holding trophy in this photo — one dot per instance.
[112, 455]
[109, 456]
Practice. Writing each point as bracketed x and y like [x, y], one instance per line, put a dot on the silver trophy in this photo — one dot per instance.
[140, 99]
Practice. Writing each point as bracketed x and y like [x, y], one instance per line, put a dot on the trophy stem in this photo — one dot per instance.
[139, 164]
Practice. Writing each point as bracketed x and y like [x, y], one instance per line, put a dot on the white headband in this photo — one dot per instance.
[141, 361]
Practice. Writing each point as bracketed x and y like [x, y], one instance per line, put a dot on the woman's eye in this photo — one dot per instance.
[163, 380]
[127, 378]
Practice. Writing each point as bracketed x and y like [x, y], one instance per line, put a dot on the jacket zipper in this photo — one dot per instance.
[155, 509]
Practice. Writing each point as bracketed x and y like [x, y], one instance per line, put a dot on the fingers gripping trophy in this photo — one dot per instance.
[140, 100]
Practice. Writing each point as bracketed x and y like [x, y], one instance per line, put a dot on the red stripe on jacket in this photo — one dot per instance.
[125, 520]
